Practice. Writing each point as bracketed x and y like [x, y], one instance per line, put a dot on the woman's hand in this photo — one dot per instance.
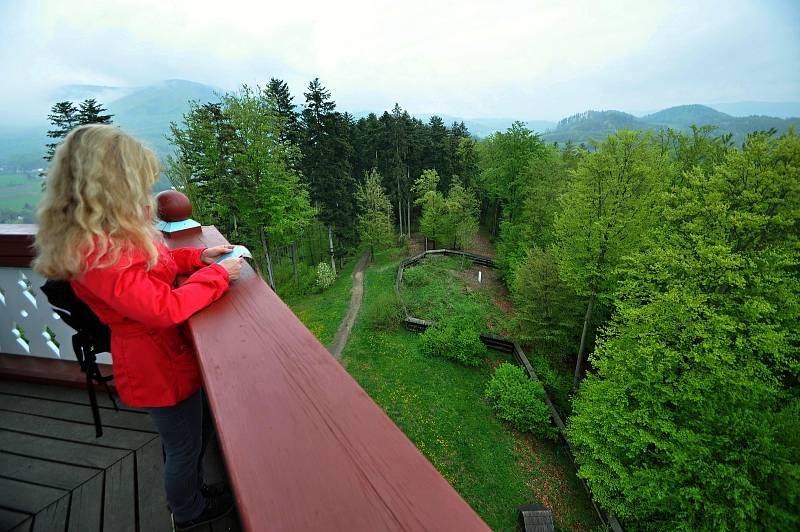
[210, 255]
[234, 267]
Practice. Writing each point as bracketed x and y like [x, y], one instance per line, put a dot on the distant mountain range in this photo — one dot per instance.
[598, 125]
[147, 111]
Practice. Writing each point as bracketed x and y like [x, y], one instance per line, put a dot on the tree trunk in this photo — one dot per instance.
[294, 263]
[400, 214]
[266, 254]
[408, 217]
[330, 247]
[582, 348]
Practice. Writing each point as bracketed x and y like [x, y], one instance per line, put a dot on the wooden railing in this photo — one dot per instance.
[305, 447]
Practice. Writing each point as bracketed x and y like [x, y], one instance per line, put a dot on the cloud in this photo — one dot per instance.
[528, 59]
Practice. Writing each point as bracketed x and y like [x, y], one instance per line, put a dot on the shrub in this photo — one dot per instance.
[519, 400]
[454, 340]
[284, 280]
[416, 277]
[325, 276]
[384, 312]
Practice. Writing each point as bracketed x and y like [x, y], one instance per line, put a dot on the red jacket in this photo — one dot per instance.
[154, 364]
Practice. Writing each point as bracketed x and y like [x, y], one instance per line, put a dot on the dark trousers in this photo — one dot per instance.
[185, 429]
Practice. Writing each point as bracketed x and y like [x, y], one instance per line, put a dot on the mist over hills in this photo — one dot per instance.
[147, 111]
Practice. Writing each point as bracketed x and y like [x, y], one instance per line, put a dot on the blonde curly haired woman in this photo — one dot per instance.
[96, 231]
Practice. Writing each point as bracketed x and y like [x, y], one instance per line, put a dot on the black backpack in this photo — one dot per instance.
[92, 337]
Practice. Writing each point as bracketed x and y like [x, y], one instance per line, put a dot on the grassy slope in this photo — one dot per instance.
[437, 289]
[322, 313]
[439, 405]
[16, 190]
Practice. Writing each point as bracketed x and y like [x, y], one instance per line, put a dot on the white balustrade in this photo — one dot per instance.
[28, 324]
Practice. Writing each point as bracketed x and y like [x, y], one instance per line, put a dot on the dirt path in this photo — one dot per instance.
[356, 294]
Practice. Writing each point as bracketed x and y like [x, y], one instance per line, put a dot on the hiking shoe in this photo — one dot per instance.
[216, 507]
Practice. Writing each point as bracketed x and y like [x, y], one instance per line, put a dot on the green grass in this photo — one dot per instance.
[439, 405]
[322, 312]
[17, 190]
[441, 287]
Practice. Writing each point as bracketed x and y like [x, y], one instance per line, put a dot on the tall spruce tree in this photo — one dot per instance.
[92, 112]
[63, 117]
[278, 90]
[327, 152]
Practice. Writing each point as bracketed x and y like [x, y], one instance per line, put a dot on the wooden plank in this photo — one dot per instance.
[11, 520]
[85, 512]
[152, 502]
[306, 447]
[58, 393]
[59, 450]
[119, 498]
[53, 518]
[27, 498]
[56, 428]
[45, 370]
[78, 413]
[44, 472]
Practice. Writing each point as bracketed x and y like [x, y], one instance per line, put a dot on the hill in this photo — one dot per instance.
[143, 111]
[479, 127]
[598, 125]
[147, 111]
[779, 109]
[592, 125]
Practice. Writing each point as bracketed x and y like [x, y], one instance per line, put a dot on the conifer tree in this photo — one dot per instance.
[278, 90]
[63, 117]
[375, 217]
[91, 112]
[327, 151]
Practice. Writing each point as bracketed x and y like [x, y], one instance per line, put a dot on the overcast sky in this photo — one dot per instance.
[520, 59]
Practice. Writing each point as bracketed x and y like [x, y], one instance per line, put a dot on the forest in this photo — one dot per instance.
[653, 274]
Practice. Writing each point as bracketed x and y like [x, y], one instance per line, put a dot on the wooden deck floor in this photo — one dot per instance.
[55, 475]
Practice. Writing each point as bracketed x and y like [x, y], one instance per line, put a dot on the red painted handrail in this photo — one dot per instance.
[306, 447]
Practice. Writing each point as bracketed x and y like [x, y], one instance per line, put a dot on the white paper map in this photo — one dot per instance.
[238, 251]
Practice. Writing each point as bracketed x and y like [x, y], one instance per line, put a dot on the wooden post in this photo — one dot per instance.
[266, 254]
[294, 263]
[330, 244]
